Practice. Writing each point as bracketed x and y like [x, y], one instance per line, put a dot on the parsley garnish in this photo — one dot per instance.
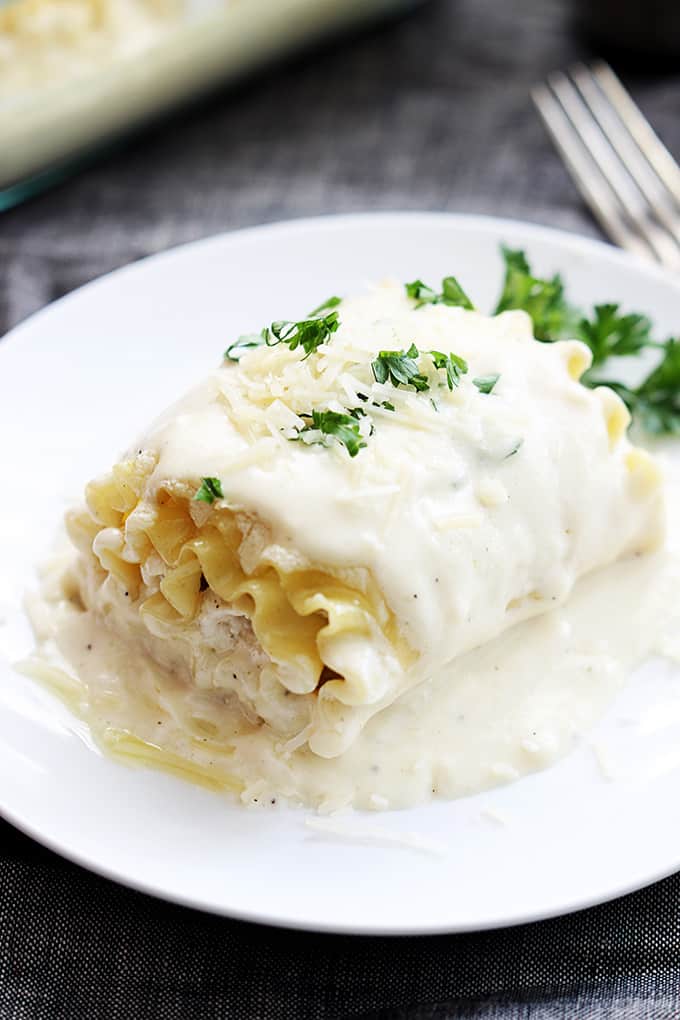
[244, 344]
[655, 401]
[543, 299]
[331, 302]
[455, 366]
[401, 368]
[308, 333]
[516, 446]
[343, 427]
[209, 491]
[485, 383]
[610, 334]
[451, 294]
[376, 403]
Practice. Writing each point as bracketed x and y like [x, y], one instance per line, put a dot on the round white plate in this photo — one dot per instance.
[76, 382]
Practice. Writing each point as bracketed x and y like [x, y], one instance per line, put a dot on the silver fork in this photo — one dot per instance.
[622, 169]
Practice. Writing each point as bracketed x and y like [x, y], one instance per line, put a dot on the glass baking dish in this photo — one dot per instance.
[78, 74]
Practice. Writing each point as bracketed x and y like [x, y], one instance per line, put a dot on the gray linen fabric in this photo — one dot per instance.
[429, 112]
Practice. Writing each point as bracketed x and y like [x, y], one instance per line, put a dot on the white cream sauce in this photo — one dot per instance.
[468, 546]
[509, 708]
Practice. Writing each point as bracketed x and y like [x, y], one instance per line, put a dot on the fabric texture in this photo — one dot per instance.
[429, 112]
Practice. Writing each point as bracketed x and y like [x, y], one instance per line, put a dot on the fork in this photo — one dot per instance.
[624, 172]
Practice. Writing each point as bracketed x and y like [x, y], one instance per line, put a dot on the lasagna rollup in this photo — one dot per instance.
[357, 528]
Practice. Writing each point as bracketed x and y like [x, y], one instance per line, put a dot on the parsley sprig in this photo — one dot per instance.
[655, 401]
[454, 366]
[343, 427]
[544, 300]
[451, 294]
[610, 334]
[308, 333]
[210, 490]
[400, 368]
[486, 383]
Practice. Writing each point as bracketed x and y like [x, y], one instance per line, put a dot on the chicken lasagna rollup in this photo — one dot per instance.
[317, 528]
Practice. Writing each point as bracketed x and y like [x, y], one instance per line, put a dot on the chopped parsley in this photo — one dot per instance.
[516, 446]
[210, 490]
[454, 365]
[655, 401]
[486, 383]
[244, 344]
[610, 334]
[543, 299]
[331, 302]
[343, 427]
[451, 294]
[308, 333]
[400, 368]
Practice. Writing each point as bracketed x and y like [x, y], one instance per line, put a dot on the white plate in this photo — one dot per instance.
[76, 381]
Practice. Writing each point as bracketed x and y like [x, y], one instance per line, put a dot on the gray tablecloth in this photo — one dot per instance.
[431, 112]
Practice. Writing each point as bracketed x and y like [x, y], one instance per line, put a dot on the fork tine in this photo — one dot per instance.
[587, 176]
[662, 244]
[621, 140]
[649, 142]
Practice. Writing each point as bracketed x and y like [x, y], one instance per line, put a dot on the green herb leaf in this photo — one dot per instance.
[331, 302]
[611, 334]
[655, 402]
[658, 396]
[400, 368]
[516, 446]
[244, 344]
[343, 427]
[544, 300]
[454, 295]
[420, 292]
[454, 365]
[451, 294]
[308, 333]
[486, 383]
[210, 490]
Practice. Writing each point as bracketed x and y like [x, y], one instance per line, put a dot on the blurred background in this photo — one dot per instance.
[128, 126]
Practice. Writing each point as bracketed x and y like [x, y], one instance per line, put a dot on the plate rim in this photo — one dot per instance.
[478, 221]
[570, 241]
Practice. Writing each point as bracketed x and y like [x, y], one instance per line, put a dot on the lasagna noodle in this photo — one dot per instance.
[323, 587]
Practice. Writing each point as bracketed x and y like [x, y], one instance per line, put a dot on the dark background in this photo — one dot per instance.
[429, 112]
